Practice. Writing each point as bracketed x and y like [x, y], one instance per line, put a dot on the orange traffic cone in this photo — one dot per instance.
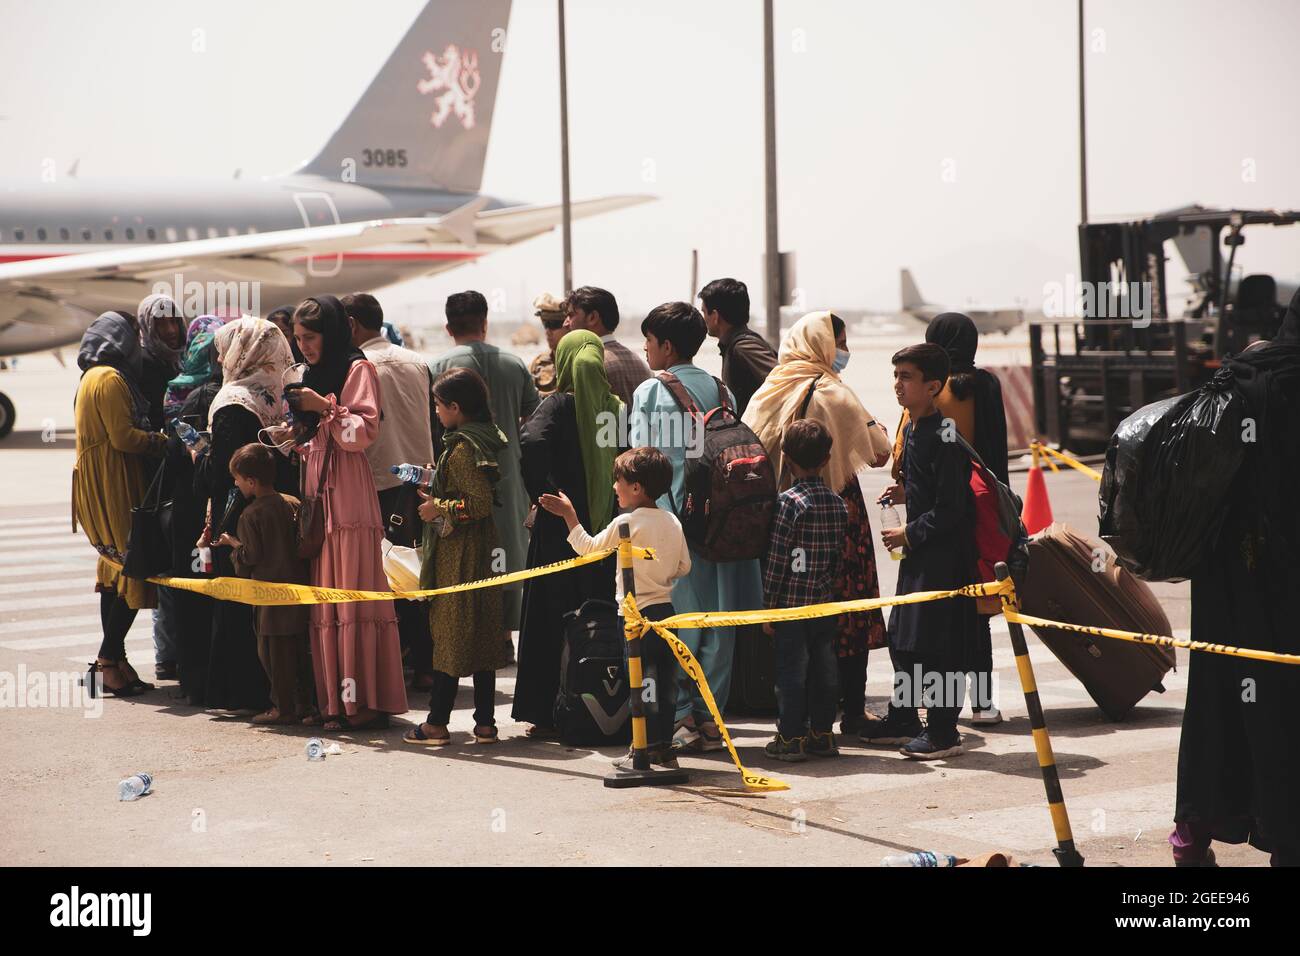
[1037, 513]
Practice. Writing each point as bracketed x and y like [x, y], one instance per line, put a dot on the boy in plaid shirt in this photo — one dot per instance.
[799, 569]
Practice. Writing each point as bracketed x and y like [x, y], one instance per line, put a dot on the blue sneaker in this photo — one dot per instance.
[923, 748]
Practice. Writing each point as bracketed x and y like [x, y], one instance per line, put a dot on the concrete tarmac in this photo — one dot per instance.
[227, 793]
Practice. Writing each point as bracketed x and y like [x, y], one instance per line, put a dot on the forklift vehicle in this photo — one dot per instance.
[1123, 351]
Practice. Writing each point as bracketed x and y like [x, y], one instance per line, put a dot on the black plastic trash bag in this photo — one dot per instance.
[1169, 467]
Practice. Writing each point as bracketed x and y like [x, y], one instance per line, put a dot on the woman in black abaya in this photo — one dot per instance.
[1239, 756]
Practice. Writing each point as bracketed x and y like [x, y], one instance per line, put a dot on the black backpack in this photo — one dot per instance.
[729, 491]
[591, 708]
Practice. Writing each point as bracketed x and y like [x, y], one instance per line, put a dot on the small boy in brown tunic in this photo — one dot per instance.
[266, 549]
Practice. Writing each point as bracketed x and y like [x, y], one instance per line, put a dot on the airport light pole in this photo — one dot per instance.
[772, 258]
[566, 223]
[1083, 129]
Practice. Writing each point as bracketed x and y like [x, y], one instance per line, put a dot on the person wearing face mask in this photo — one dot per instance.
[806, 383]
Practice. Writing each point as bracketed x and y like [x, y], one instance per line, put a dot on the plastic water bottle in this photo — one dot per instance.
[194, 439]
[315, 749]
[413, 475]
[923, 858]
[135, 786]
[889, 519]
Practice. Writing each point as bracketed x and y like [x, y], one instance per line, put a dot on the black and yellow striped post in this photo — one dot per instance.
[1065, 853]
[641, 773]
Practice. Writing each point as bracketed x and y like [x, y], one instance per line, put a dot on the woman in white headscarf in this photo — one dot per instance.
[162, 339]
[806, 383]
[254, 357]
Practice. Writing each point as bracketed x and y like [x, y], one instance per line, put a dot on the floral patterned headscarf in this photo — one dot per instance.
[254, 357]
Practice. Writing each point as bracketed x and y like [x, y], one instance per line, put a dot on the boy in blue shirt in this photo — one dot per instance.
[673, 334]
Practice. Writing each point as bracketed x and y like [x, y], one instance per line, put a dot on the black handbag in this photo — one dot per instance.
[149, 547]
[402, 524]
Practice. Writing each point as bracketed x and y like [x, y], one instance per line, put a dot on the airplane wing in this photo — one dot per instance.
[516, 223]
[29, 290]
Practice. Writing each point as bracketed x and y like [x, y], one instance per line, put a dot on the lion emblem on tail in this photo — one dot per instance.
[455, 76]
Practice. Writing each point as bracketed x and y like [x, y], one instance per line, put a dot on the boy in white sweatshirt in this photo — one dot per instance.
[640, 477]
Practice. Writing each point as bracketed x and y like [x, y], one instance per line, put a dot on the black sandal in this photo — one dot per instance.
[129, 689]
[133, 676]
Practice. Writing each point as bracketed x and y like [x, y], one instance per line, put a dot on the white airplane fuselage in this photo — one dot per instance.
[74, 216]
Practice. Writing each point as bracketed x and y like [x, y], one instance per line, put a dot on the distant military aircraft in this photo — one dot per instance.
[394, 194]
[986, 320]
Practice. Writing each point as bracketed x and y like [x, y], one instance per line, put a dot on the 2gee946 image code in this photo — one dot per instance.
[1196, 898]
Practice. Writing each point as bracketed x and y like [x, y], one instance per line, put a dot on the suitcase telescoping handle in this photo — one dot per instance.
[1065, 853]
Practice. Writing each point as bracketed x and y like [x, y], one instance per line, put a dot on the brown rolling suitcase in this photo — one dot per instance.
[1062, 585]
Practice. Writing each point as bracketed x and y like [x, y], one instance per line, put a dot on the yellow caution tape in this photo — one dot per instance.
[740, 618]
[1039, 457]
[271, 594]
[752, 780]
[1015, 617]
[1039, 447]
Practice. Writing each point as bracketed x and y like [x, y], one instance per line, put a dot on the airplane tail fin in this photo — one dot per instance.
[909, 294]
[424, 120]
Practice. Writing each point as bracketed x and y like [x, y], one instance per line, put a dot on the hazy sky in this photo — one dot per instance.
[939, 135]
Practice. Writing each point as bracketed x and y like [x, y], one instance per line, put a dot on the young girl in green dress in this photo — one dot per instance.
[461, 544]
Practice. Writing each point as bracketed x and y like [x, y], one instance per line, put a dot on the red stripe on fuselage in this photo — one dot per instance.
[360, 256]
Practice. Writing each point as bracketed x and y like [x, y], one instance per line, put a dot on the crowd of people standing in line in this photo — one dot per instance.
[506, 438]
[523, 479]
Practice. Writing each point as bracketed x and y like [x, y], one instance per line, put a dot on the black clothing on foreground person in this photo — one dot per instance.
[1239, 756]
[552, 461]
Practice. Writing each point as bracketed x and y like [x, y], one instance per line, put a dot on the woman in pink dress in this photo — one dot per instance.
[355, 651]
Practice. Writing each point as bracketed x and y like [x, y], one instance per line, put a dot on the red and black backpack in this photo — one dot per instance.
[729, 490]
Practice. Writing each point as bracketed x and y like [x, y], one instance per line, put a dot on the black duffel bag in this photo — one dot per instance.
[1169, 467]
[591, 707]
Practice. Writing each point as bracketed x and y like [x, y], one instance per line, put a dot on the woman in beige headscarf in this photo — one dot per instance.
[806, 384]
[253, 356]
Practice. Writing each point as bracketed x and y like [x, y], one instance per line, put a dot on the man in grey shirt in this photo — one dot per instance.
[513, 397]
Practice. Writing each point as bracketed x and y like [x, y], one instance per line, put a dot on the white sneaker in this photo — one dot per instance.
[986, 718]
[685, 737]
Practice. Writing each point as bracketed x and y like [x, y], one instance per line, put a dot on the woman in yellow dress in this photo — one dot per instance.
[116, 454]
